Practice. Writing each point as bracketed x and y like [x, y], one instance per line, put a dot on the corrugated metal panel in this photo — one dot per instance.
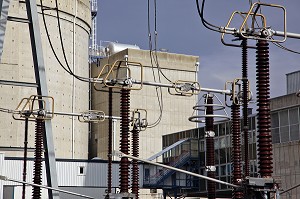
[1, 172]
[14, 169]
[94, 173]
[293, 82]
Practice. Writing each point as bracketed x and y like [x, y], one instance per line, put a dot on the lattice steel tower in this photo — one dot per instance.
[93, 45]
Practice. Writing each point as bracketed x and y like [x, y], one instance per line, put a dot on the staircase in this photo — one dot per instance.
[164, 173]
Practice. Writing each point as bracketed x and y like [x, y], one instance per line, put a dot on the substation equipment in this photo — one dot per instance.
[37, 108]
[244, 186]
[118, 76]
[265, 186]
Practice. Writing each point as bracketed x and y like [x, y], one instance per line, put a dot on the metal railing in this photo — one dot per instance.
[162, 174]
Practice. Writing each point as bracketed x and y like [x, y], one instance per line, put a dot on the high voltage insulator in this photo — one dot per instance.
[135, 167]
[265, 159]
[245, 105]
[39, 131]
[236, 150]
[25, 157]
[210, 147]
[124, 142]
[110, 140]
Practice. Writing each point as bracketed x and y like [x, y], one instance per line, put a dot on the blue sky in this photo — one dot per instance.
[180, 31]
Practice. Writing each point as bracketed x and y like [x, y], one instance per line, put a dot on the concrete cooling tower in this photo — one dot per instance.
[70, 95]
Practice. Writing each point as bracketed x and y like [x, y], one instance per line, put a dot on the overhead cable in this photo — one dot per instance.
[68, 69]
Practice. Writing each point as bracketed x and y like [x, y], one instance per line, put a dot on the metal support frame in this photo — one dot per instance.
[4, 5]
[40, 76]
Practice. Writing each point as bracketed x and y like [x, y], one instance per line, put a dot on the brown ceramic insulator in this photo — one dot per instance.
[37, 170]
[124, 140]
[109, 155]
[245, 106]
[236, 150]
[135, 167]
[25, 158]
[265, 159]
[210, 148]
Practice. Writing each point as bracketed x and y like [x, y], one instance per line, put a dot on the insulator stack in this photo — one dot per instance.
[265, 159]
[25, 157]
[124, 141]
[109, 172]
[37, 171]
[210, 147]
[236, 150]
[245, 89]
[135, 167]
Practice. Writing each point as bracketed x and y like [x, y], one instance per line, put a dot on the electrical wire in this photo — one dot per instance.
[285, 48]
[68, 69]
[158, 90]
[204, 22]
[155, 58]
[6, 110]
[61, 40]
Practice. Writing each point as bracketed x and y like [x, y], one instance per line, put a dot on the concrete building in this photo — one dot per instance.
[70, 95]
[175, 109]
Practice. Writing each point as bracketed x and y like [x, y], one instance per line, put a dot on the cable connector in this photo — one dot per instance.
[210, 168]
[209, 134]
[3, 178]
[118, 154]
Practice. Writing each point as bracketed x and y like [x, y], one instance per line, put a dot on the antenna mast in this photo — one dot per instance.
[93, 44]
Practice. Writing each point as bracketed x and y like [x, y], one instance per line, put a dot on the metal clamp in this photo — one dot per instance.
[210, 134]
[92, 116]
[99, 77]
[236, 32]
[137, 120]
[122, 195]
[210, 168]
[112, 79]
[185, 88]
[30, 108]
[266, 33]
[236, 93]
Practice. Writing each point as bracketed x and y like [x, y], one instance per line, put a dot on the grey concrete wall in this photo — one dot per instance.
[70, 95]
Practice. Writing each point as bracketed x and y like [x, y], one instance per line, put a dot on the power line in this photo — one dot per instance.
[158, 90]
[204, 22]
[285, 48]
[68, 69]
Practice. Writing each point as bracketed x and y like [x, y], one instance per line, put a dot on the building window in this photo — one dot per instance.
[202, 145]
[81, 170]
[274, 120]
[294, 132]
[283, 118]
[284, 134]
[294, 116]
[275, 135]
[147, 174]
